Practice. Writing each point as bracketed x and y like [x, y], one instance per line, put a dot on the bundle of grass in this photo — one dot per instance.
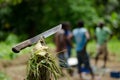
[42, 64]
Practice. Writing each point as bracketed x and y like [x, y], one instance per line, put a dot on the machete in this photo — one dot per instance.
[35, 39]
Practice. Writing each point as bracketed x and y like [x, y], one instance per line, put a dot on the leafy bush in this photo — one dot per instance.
[6, 47]
[12, 39]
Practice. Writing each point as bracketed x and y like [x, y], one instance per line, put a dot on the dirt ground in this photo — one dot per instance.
[16, 69]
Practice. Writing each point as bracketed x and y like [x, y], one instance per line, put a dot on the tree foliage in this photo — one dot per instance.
[35, 16]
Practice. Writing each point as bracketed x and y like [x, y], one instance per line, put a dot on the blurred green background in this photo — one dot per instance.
[22, 19]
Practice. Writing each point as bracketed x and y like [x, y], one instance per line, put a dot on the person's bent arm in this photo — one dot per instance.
[87, 35]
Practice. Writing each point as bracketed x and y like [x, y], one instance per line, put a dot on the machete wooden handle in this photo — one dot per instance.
[21, 46]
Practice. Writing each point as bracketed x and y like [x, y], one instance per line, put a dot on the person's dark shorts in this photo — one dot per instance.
[83, 58]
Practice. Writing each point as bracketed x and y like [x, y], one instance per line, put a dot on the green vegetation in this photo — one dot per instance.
[6, 47]
[113, 47]
[31, 17]
[3, 76]
[22, 19]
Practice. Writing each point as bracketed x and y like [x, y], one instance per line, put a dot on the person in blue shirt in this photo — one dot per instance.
[81, 36]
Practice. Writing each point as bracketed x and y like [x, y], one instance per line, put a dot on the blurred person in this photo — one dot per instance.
[68, 35]
[81, 37]
[102, 35]
[61, 40]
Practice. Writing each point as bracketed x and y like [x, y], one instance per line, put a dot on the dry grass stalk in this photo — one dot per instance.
[42, 64]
